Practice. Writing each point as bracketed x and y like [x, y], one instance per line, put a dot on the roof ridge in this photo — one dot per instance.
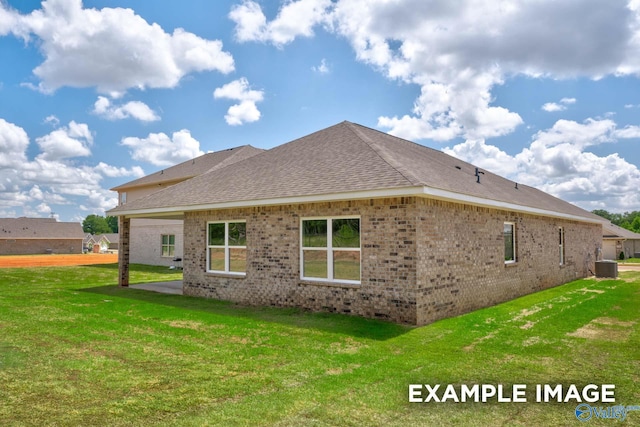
[383, 153]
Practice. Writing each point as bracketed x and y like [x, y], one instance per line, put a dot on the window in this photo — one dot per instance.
[123, 197]
[561, 244]
[227, 247]
[168, 245]
[330, 249]
[509, 242]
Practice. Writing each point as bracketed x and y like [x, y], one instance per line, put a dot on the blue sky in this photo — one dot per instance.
[97, 93]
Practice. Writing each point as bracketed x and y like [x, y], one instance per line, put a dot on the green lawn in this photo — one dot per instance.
[76, 350]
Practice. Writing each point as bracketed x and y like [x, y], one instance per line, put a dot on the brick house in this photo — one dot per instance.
[30, 236]
[616, 239]
[158, 241]
[352, 220]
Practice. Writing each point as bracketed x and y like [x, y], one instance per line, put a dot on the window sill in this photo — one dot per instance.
[511, 264]
[223, 274]
[308, 282]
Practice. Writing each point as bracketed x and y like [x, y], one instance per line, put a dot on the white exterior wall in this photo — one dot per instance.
[146, 240]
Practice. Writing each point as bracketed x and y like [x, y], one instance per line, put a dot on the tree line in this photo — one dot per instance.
[628, 220]
[96, 224]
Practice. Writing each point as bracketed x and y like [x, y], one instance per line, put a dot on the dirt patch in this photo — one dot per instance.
[526, 312]
[21, 261]
[186, 324]
[528, 325]
[605, 329]
[479, 340]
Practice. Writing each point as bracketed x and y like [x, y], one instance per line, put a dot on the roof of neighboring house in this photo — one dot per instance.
[194, 167]
[612, 231]
[347, 161]
[39, 228]
[110, 237]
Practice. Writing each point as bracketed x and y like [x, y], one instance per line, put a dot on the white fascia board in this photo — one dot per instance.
[416, 191]
[445, 195]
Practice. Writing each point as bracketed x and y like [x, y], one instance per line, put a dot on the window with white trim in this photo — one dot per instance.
[227, 247]
[330, 249]
[561, 244]
[509, 242]
[168, 245]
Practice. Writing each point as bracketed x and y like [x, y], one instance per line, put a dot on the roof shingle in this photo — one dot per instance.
[345, 158]
[39, 228]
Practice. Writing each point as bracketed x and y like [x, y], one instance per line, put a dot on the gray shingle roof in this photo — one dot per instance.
[610, 230]
[345, 158]
[194, 167]
[39, 228]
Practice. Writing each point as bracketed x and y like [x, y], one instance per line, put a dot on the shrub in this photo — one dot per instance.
[621, 257]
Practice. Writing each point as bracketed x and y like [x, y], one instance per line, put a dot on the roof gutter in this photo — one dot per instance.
[413, 191]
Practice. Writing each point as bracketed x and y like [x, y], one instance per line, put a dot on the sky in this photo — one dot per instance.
[94, 94]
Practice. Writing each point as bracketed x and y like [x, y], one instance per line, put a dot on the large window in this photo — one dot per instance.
[168, 245]
[227, 247]
[561, 244]
[509, 242]
[330, 249]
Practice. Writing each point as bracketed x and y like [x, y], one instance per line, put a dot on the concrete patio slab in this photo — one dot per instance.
[174, 287]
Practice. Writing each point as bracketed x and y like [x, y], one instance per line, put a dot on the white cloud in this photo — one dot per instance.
[53, 177]
[160, 150]
[13, 144]
[52, 120]
[556, 162]
[118, 49]
[246, 111]
[628, 132]
[554, 106]
[295, 18]
[66, 142]
[114, 172]
[458, 52]
[323, 68]
[485, 156]
[133, 109]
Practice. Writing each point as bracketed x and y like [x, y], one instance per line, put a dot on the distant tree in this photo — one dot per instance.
[628, 220]
[113, 223]
[602, 213]
[95, 224]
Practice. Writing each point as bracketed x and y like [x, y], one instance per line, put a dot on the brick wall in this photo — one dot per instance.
[422, 260]
[461, 257]
[37, 246]
[273, 278]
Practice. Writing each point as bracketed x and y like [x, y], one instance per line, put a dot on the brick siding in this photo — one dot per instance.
[40, 246]
[421, 260]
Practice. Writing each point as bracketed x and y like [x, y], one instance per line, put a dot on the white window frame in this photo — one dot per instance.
[329, 249]
[123, 198]
[168, 245]
[561, 245]
[226, 248]
[513, 242]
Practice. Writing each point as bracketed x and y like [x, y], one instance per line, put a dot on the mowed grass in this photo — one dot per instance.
[77, 350]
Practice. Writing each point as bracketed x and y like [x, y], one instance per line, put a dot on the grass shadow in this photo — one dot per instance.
[294, 317]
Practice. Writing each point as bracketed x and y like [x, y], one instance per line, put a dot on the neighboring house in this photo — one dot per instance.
[88, 242]
[27, 236]
[616, 239]
[108, 242]
[352, 220]
[158, 242]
